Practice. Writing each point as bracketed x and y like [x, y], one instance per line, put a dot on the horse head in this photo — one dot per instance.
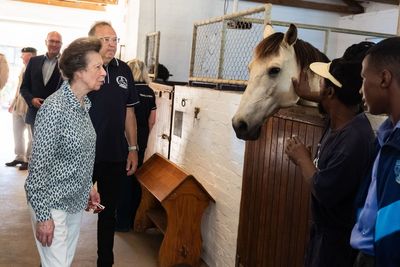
[277, 59]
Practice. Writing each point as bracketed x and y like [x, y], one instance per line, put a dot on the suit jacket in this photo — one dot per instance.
[33, 86]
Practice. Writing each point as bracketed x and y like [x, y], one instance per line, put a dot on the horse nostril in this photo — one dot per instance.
[242, 126]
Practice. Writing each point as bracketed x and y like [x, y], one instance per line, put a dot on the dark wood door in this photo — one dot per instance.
[274, 213]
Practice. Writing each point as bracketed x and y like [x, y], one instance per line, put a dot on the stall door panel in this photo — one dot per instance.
[274, 213]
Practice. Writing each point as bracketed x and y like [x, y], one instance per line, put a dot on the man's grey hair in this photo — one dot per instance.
[92, 30]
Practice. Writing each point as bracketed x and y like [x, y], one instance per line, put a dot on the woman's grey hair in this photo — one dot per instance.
[74, 56]
[139, 71]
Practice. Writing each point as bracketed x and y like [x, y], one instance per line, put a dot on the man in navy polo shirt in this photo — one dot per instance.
[114, 120]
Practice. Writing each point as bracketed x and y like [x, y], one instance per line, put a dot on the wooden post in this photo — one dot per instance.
[398, 22]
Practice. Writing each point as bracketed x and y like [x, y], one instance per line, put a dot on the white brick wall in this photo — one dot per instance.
[210, 151]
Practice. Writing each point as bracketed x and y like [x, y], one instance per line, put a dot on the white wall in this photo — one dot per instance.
[132, 29]
[210, 151]
[384, 21]
[174, 19]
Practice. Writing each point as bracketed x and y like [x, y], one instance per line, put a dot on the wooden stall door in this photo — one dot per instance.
[159, 139]
[274, 212]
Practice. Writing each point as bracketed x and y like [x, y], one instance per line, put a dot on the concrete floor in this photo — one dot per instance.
[17, 247]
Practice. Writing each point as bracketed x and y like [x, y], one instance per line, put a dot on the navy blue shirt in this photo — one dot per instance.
[108, 111]
[342, 162]
[142, 111]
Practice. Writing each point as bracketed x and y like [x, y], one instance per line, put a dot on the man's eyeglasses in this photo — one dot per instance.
[54, 42]
[107, 40]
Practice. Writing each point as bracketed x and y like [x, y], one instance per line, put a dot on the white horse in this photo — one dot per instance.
[277, 59]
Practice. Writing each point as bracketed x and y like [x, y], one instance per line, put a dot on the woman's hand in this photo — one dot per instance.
[94, 201]
[94, 196]
[45, 232]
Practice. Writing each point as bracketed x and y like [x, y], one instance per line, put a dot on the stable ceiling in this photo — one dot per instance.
[85, 4]
[342, 6]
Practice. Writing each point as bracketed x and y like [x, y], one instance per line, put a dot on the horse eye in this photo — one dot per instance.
[274, 71]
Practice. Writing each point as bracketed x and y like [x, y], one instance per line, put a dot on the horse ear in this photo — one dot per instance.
[268, 30]
[291, 35]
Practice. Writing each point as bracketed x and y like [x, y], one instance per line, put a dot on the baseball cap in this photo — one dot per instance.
[344, 72]
[28, 50]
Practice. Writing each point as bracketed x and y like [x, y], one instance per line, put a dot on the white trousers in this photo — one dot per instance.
[19, 127]
[66, 234]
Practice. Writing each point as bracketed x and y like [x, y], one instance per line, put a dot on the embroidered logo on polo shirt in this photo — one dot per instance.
[122, 82]
[397, 171]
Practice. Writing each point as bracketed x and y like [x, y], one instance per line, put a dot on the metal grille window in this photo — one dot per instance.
[222, 47]
[152, 51]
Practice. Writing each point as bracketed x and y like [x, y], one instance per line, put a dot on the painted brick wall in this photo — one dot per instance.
[209, 149]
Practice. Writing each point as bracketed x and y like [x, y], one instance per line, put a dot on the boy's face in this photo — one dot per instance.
[373, 95]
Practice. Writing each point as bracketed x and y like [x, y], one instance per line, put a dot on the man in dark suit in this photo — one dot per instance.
[42, 77]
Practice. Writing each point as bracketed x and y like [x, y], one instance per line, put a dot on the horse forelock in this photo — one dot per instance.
[269, 46]
[307, 54]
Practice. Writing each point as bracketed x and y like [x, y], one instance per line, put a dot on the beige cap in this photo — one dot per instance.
[322, 69]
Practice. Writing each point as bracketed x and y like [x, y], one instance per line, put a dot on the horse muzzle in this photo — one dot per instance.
[243, 131]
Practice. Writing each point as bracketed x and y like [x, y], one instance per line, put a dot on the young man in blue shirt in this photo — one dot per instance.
[376, 234]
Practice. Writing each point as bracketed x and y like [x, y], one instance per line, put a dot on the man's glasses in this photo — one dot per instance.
[54, 42]
[107, 40]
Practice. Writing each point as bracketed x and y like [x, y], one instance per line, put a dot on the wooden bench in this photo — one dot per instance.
[174, 202]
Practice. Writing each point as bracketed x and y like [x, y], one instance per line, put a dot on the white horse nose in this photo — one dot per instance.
[242, 130]
[240, 126]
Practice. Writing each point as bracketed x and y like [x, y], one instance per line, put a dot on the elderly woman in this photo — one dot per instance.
[145, 113]
[59, 184]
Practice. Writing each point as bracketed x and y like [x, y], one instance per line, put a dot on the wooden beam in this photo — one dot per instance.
[309, 5]
[354, 6]
[391, 2]
[103, 2]
[71, 4]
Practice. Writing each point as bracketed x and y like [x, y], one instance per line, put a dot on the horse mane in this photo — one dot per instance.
[305, 52]
[269, 46]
